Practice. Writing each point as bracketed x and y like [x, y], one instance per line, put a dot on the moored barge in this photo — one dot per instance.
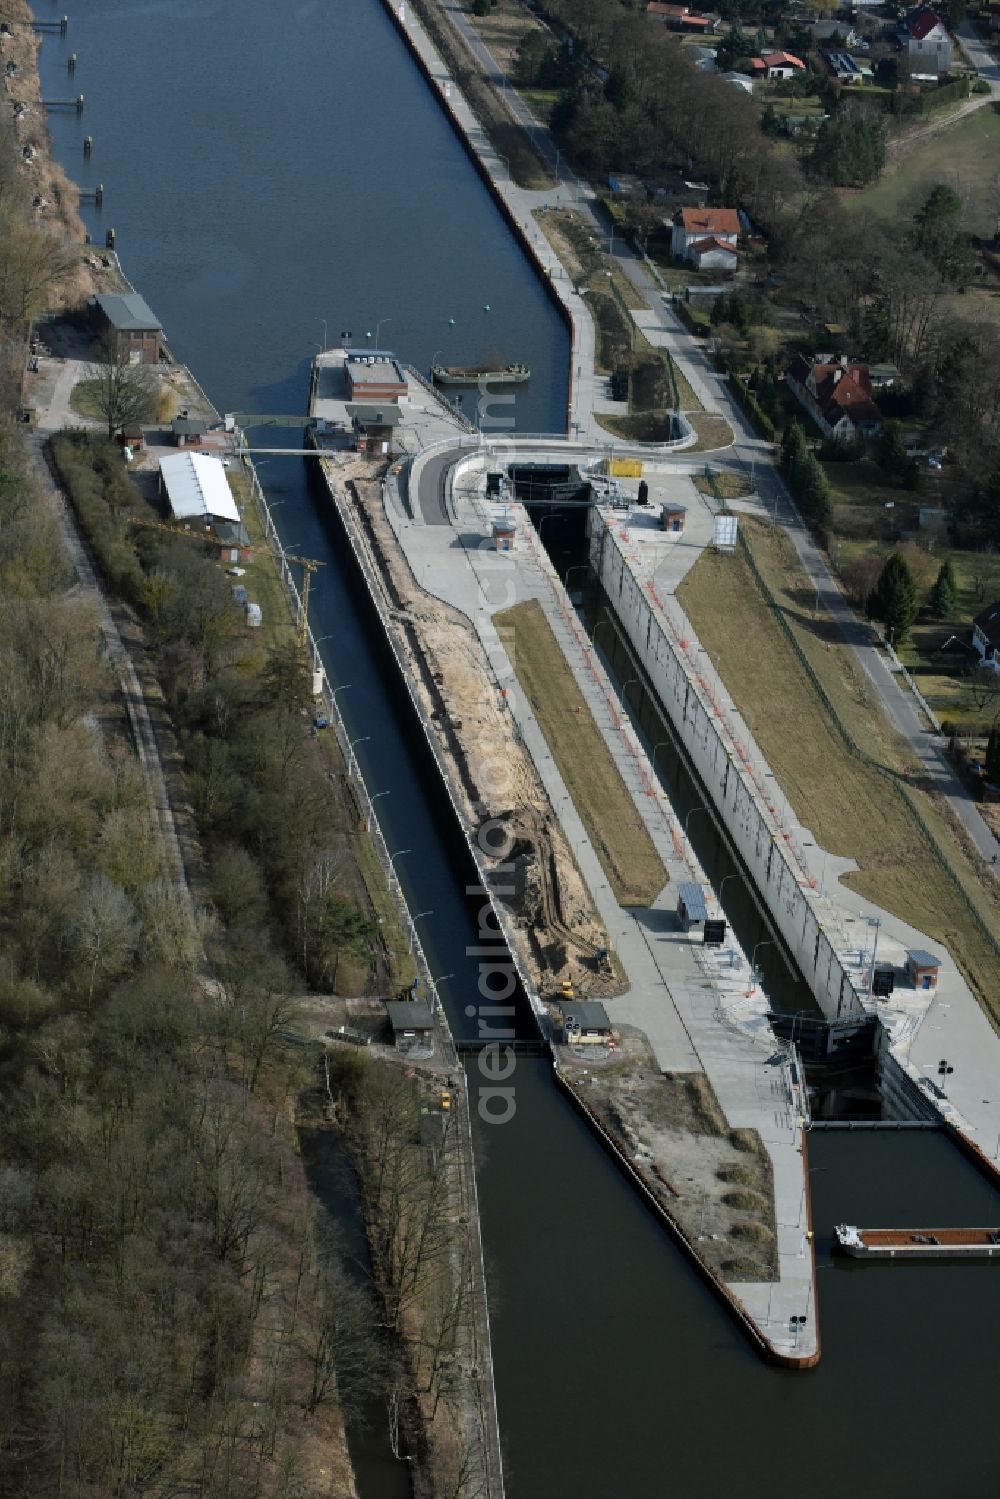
[918, 1243]
[470, 374]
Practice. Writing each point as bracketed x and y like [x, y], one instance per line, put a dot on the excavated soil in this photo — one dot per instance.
[535, 875]
[714, 1182]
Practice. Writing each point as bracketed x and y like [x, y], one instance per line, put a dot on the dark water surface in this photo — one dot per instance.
[269, 165]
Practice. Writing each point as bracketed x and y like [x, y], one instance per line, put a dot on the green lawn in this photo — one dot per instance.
[965, 156]
[620, 839]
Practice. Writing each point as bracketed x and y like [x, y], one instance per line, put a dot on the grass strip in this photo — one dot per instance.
[621, 841]
[852, 807]
[510, 141]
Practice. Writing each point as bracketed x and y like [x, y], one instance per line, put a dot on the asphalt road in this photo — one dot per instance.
[755, 456]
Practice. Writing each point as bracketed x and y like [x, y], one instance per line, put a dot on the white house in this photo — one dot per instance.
[738, 80]
[781, 64]
[693, 224]
[713, 254]
[986, 635]
[928, 44]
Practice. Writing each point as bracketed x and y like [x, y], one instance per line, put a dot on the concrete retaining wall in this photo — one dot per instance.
[768, 853]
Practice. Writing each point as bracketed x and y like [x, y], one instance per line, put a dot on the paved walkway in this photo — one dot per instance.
[699, 1008]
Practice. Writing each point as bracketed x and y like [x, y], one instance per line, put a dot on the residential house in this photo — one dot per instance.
[127, 319]
[837, 33]
[691, 225]
[986, 635]
[680, 17]
[780, 64]
[926, 41]
[837, 395]
[713, 254]
[844, 67]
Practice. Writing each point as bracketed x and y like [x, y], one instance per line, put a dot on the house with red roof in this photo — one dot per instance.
[837, 393]
[926, 41]
[781, 64]
[692, 227]
[680, 17]
[713, 254]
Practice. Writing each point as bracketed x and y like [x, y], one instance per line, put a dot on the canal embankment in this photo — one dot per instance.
[697, 1011]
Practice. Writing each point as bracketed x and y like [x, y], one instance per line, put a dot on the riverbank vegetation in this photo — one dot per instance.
[405, 1138]
[277, 823]
[619, 837]
[162, 1287]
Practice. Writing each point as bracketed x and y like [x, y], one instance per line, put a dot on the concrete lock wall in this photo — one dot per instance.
[765, 852]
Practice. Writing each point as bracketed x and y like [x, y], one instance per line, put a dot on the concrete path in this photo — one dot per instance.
[699, 1008]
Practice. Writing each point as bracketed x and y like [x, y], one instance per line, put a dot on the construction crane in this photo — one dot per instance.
[307, 564]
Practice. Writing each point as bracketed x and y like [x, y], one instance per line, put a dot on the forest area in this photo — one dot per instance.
[174, 1317]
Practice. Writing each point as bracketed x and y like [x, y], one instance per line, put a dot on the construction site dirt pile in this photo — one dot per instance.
[715, 1183]
[535, 876]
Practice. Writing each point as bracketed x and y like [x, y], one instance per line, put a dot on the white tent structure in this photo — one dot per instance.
[197, 488]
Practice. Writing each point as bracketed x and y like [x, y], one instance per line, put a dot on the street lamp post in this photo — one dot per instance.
[413, 926]
[600, 622]
[873, 921]
[632, 681]
[392, 862]
[660, 744]
[689, 814]
[735, 875]
[352, 757]
[757, 948]
[552, 515]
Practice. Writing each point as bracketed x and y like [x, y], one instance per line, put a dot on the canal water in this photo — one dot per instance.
[267, 167]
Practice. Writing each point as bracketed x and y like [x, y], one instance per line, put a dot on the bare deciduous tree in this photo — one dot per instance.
[124, 393]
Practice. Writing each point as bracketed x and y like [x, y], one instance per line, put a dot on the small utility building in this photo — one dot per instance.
[126, 317]
[375, 377]
[374, 426]
[923, 968]
[411, 1023]
[691, 908]
[197, 491]
[585, 1022]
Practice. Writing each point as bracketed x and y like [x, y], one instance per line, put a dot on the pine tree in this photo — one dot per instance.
[893, 456]
[992, 760]
[793, 442]
[893, 600]
[944, 592]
